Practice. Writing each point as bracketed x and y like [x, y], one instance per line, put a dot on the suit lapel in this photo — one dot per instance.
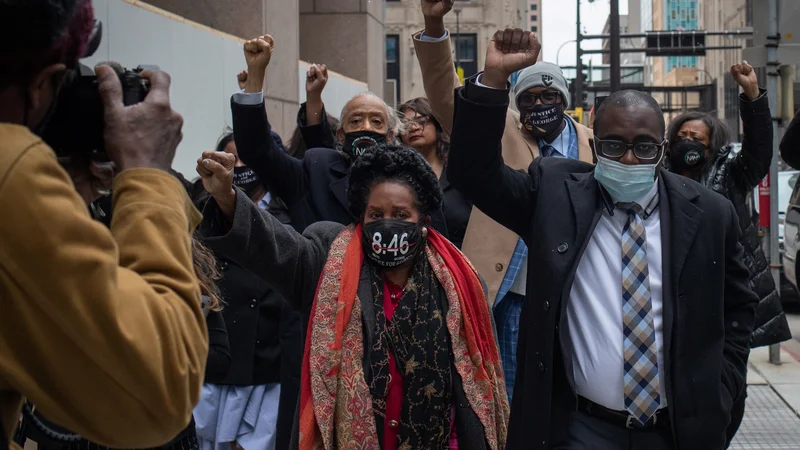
[669, 305]
[684, 220]
[339, 185]
[583, 189]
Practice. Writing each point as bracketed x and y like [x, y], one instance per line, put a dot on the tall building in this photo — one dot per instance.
[534, 17]
[709, 15]
[471, 24]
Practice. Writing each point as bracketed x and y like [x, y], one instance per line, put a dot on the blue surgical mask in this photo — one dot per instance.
[625, 183]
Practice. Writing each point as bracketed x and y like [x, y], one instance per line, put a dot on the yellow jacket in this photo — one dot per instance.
[101, 329]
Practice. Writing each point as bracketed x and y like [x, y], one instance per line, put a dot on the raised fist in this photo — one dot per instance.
[745, 77]
[242, 79]
[436, 8]
[216, 171]
[258, 52]
[316, 79]
[509, 51]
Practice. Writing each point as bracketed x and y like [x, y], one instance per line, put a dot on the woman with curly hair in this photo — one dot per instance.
[425, 134]
[399, 350]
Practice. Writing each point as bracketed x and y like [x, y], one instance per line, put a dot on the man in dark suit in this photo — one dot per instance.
[315, 187]
[635, 330]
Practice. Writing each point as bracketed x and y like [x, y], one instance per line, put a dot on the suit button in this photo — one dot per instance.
[546, 306]
[223, 265]
[541, 367]
[253, 303]
[498, 267]
[562, 247]
[393, 424]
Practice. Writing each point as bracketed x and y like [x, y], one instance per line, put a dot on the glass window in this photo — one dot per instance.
[391, 48]
[674, 15]
[534, 29]
[534, 7]
[693, 14]
[683, 14]
[533, 18]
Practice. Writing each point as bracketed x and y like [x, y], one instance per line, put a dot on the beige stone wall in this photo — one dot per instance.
[347, 36]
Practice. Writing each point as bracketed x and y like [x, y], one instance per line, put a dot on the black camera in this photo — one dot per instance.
[75, 128]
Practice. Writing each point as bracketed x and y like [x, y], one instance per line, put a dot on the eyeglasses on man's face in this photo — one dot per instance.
[614, 149]
[528, 99]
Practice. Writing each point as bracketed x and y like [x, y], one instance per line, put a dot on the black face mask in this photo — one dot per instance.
[390, 243]
[245, 179]
[357, 142]
[687, 155]
[542, 120]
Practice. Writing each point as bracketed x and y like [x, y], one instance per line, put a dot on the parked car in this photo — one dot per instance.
[789, 232]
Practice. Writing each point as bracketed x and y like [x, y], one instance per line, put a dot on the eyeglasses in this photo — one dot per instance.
[616, 149]
[420, 121]
[528, 99]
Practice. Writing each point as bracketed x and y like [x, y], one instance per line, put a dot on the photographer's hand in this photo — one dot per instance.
[144, 135]
[216, 171]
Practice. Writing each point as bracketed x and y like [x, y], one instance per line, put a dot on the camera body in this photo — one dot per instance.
[75, 128]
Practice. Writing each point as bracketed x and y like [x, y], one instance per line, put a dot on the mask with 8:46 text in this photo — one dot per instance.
[391, 243]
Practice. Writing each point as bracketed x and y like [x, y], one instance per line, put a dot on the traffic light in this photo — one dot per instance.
[676, 43]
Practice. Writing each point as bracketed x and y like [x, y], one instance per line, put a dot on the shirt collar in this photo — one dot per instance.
[560, 143]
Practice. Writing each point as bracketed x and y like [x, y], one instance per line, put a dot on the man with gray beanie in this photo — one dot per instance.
[539, 129]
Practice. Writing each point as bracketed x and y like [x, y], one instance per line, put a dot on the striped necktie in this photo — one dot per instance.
[641, 383]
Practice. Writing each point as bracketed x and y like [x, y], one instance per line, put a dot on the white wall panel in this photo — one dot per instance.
[202, 63]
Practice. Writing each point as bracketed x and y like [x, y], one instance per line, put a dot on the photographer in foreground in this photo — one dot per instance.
[102, 330]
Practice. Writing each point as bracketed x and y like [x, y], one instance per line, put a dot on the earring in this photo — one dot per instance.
[424, 232]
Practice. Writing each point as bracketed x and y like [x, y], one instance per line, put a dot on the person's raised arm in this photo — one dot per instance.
[432, 47]
[237, 229]
[102, 329]
[252, 131]
[790, 144]
[312, 120]
[476, 166]
[752, 163]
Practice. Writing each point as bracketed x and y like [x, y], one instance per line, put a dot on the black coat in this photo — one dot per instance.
[292, 263]
[314, 188]
[790, 144]
[708, 306]
[735, 177]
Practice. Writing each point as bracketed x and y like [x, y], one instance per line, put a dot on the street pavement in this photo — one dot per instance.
[772, 417]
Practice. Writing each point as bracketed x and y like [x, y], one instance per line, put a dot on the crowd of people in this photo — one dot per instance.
[451, 274]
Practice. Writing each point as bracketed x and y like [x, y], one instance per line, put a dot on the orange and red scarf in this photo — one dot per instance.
[335, 403]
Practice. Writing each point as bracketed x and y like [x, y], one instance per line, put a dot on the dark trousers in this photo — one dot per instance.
[737, 414]
[586, 432]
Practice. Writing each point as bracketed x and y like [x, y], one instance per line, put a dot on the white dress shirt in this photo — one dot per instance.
[594, 310]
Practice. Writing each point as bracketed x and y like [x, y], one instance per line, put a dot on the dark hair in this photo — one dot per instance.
[628, 98]
[36, 33]
[224, 140]
[297, 146]
[422, 106]
[391, 162]
[718, 135]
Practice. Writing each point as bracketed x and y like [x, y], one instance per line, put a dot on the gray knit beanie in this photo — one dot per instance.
[543, 74]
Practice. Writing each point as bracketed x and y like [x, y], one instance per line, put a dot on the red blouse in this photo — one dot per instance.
[394, 399]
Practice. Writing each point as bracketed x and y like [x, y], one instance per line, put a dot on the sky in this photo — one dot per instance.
[559, 27]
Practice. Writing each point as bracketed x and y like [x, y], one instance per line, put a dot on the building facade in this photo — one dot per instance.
[471, 24]
[347, 36]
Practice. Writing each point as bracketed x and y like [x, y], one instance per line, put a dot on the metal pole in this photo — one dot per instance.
[772, 93]
[558, 53]
[613, 20]
[578, 62]
[458, 37]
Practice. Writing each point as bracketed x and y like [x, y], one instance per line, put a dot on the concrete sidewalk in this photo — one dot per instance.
[772, 417]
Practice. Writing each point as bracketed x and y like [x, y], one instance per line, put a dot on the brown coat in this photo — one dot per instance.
[101, 329]
[487, 244]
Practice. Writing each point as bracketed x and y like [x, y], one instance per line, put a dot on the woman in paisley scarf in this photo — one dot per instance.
[400, 351]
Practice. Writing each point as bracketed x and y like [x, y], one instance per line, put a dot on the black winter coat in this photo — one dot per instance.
[735, 176]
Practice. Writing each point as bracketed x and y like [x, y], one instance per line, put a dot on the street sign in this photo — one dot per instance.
[676, 43]
[763, 202]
